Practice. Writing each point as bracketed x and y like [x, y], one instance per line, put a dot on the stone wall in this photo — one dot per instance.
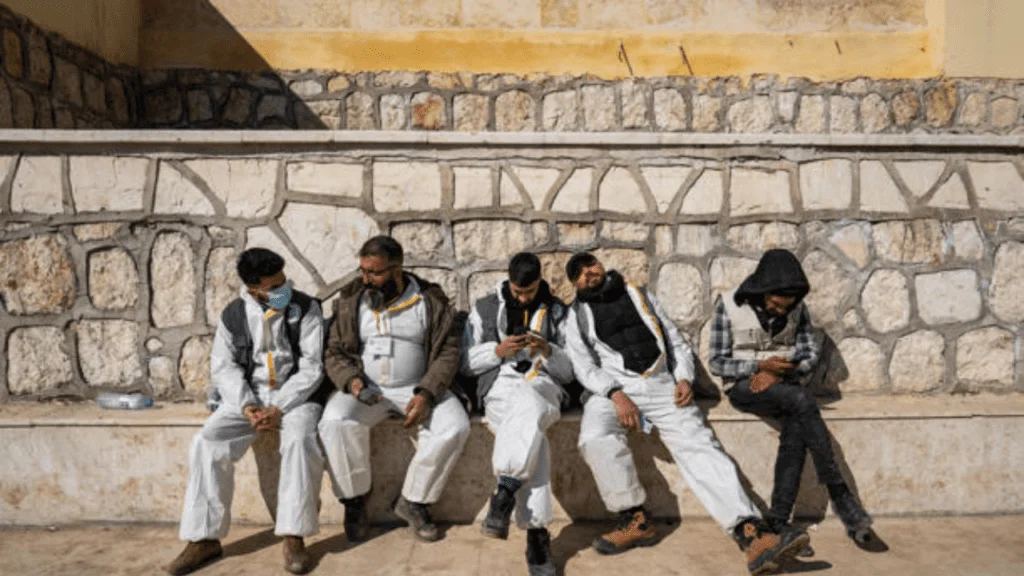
[115, 261]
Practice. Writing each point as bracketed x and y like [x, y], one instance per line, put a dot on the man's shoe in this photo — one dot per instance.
[357, 525]
[418, 517]
[195, 556]
[765, 549]
[852, 514]
[538, 553]
[496, 523]
[634, 529]
[296, 558]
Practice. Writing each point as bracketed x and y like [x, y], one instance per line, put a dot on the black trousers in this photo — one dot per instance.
[802, 429]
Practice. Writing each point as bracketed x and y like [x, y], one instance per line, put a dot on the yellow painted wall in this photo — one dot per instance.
[108, 27]
[985, 38]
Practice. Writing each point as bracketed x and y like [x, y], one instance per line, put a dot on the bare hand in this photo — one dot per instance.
[355, 386]
[684, 394]
[762, 381]
[539, 345]
[776, 365]
[253, 413]
[270, 420]
[626, 411]
[510, 346]
[417, 411]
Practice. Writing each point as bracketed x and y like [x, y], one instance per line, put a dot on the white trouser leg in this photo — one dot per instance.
[440, 443]
[707, 470]
[603, 445]
[220, 443]
[302, 470]
[345, 433]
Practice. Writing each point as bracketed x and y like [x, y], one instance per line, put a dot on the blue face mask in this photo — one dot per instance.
[279, 297]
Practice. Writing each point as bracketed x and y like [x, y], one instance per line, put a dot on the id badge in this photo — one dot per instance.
[380, 346]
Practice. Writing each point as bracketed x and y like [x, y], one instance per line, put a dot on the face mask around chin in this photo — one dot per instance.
[380, 295]
[279, 298]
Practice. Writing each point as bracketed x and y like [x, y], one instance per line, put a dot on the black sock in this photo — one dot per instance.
[837, 491]
[509, 484]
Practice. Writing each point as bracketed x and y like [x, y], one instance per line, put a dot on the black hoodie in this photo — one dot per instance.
[778, 272]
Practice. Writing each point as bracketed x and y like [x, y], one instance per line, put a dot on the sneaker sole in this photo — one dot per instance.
[496, 533]
[408, 520]
[645, 543]
[199, 566]
[772, 564]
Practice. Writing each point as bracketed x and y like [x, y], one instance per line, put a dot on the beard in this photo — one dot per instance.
[379, 295]
[592, 290]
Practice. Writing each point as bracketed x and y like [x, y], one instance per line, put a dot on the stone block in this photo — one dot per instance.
[359, 112]
[396, 79]
[948, 297]
[854, 241]
[842, 114]
[1004, 292]
[620, 192]
[866, 365]
[339, 83]
[6, 107]
[669, 110]
[728, 273]
[826, 185]
[330, 179]
[917, 363]
[598, 108]
[913, 242]
[446, 279]
[100, 231]
[940, 105]
[321, 114]
[831, 287]
[705, 196]
[108, 184]
[906, 106]
[14, 60]
[695, 240]
[759, 192]
[222, 282]
[108, 353]
[264, 237]
[811, 119]
[634, 103]
[113, 280]
[272, 107]
[200, 108]
[38, 186]
[967, 241]
[194, 365]
[576, 234]
[972, 113]
[470, 112]
[173, 280]
[421, 240]
[984, 359]
[706, 112]
[305, 88]
[488, 239]
[161, 376]
[665, 183]
[874, 114]
[1005, 113]
[40, 70]
[553, 270]
[632, 264]
[561, 111]
[37, 360]
[24, 110]
[95, 93]
[625, 231]
[329, 237]
[514, 112]
[67, 82]
[753, 115]
[37, 275]
[428, 111]
[483, 283]
[473, 187]
[402, 186]
[176, 194]
[508, 192]
[247, 187]
[239, 106]
[574, 196]
[759, 237]
[681, 293]
[541, 233]
[920, 176]
[886, 301]
[878, 191]
[952, 194]
[998, 185]
[537, 182]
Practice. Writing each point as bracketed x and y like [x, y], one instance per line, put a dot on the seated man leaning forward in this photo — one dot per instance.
[763, 348]
[629, 355]
[393, 349]
[515, 349]
[266, 364]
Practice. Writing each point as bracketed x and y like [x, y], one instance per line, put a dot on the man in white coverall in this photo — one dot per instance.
[629, 356]
[515, 350]
[393, 348]
[266, 363]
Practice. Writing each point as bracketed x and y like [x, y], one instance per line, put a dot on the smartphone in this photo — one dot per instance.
[536, 335]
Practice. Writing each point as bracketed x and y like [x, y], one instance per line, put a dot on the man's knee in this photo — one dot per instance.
[803, 403]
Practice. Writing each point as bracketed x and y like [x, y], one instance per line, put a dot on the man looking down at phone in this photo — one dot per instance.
[763, 347]
[514, 347]
[629, 355]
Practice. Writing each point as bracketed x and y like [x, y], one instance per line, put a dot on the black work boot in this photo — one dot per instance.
[496, 523]
[538, 553]
[852, 514]
[418, 517]
[356, 523]
[765, 549]
[780, 526]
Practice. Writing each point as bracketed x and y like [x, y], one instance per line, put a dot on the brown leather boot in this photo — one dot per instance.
[195, 556]
[296, 558]
[765, 549]
[634, 529]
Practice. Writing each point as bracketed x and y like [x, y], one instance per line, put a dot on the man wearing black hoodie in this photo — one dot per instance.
[763, 347]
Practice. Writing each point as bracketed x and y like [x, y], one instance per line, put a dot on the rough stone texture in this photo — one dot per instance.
[669, 110]
[336, 179]
[758, 237]
[842, 114]
[706, 110]
[812, 115]
[113, 280]
[222, 282]
[920, 176]
[695, 240]
[470, 112]
[328, 236]
[852, 322]
[631, 263]
[541, 233]
[402, 186]
[194, 365]
[67, 82]
[483, 283]
[786, 105]
[488, 239]
[878, 191]
[472, 188]
[1004, 292]
[37, 275]
[161, 376]
[173, 280]
[105, 183]
[598, 108]
[886, 301]
[758, 192]
[967, 241]
[705, 196]
[239, 106]
[537, 182]
[984, 359]
[1005, 112]
[101, 231]
[952, 194]
[246, 187]
[200, 108]
[973, 111]
[574, 234]
[561, 111]
[428, 111]
[553, 270]
[508, 193]
[998, 185]
[854, 241]
[37, 360]
[38, 186]
[753, 115]
[263, 237]
[359, 111]
[913, 242]
[306, 88]
[940, 104]
[831, 285]
[625, 231]
[108, 353]
[727, 273]
[634, 104]
[272, 107]
[620, 192]
[176, 194]
[874, 114]
[865, 362]
[665, 182]
[681, 293]
[917, 363]
[826, 185]
[421, 240]
[906, 106]
[948, 297]
[514, 112]
[574, 196]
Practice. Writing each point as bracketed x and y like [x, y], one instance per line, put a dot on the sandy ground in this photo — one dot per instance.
[939, 546]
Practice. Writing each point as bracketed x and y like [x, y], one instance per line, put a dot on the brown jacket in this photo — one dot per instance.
[342, 360]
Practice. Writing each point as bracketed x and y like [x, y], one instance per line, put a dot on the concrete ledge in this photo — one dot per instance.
[908, 456]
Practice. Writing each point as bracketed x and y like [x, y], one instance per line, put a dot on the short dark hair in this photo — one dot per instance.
[524, 269]
[574, 267]
[384, 247]
[256, 263]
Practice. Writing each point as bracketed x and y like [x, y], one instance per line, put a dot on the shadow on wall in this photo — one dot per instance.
[199, 98]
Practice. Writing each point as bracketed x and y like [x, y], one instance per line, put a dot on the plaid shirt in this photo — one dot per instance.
[730, 369]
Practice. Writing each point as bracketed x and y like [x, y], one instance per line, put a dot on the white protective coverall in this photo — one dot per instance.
[227, 434]
[706, 469]
[394, 353]
[521, 407]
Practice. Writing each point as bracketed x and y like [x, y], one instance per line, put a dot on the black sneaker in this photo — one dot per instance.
[780, 526]
[356, 523]
[418, 517]
[852, 514]
[538, 553]
[496, 523]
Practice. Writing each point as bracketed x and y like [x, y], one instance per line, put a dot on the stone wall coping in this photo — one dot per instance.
[192, 415]
[547, 139]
